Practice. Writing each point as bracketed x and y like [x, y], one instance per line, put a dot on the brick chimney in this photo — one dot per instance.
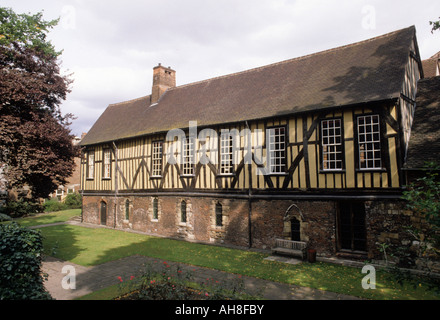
[163, 78]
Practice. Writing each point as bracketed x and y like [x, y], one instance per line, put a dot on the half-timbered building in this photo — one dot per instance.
[310, 149]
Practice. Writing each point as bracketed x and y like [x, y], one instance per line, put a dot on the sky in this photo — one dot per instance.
[110, 47]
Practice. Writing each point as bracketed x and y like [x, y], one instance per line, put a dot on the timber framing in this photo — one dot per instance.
[131, 158]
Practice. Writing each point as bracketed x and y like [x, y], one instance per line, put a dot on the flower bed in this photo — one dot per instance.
[172, 283]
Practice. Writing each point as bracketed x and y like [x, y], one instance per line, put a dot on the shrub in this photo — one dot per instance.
[54, 205]
[73, 200]
[5, 217]
[20, 264]
[19, 208]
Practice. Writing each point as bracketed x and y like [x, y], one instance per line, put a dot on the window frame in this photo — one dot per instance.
[341, 144]
[217, 214]
[190, 155]
[155, 209]
[104, 164]
[183, 211]
[284, 150]
[127, 209]
[230, 166]
[90, 164]
[379, 140]
[159, 158]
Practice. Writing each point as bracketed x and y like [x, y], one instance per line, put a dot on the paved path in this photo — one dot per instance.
[90, 279]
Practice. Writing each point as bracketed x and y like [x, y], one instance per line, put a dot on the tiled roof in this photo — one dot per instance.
[370, 70]
[429, 67]
[424, 144]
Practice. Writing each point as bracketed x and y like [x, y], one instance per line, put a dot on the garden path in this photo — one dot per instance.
[90, 279]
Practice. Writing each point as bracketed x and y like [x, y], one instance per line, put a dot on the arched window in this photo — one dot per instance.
[155, 209]
[218, 215]
[127, 209]
[183, 211]
[103, 205]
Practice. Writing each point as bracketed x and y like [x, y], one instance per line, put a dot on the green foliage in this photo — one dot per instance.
[20, 263]
[28, 30]
[4, 217]
[423, 195]
[435, 25]
[21, 207]
[35, 139]
[54, 205]
[73, 201]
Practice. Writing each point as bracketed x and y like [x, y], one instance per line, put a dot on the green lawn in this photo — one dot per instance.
[90, 247]
[51, 217]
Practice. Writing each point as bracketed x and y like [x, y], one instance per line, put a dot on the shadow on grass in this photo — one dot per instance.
[111, 253]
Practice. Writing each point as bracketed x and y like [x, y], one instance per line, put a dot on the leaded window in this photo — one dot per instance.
[369, 142]
[188, 157]
[107, 164]
[183, 211]
[127, 209]
[331, 142]
[226, 154]
[155, 209]
[218, 215]
[277, 150]
[90, 165]
[157, 159]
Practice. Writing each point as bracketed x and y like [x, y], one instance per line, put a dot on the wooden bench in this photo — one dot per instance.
[291, 248]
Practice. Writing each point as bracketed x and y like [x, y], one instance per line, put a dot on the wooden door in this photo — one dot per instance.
[352, 231]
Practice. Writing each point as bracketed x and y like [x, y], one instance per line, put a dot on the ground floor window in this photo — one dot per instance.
[103, 212]
[183, 211]
[127, 209]
[218, 215]
[155, 209]
[351, 226]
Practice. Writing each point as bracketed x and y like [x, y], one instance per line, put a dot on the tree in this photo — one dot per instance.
[35, 139]
[435, 25]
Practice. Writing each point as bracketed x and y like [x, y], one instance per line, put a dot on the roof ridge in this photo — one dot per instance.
[128, 101]
[293, 59]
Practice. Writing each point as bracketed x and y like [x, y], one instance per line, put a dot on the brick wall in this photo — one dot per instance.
[385, 221]
[317, 223]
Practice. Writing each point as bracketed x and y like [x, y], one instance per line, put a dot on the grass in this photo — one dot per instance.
[46, 218]
[90, 247]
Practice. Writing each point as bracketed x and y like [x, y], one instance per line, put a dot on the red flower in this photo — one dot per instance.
[132, 277]
[120, 279]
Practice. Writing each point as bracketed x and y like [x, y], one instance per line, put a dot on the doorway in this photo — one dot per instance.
[352, 233]
[295, 229]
